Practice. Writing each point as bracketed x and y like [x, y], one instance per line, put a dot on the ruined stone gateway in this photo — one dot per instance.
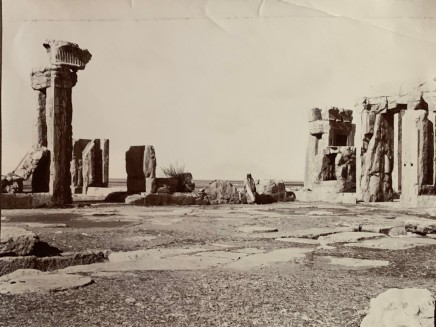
[386, 150]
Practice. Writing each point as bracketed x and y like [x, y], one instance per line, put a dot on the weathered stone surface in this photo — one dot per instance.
[89, 165]
[163, 189]
[315, 233]
[26, 200]
[377, 154]
[66, 259]
[421, 227]
[222, 192]
[90, 162]
[331, 154]
[17, 241]
[320, 196]
[150, 162]
[186, 183]
[394, 243]
[351, 262]
[165, 199]
[135, 169]
[35, 164]
[104, 145]
[150, 185]
[345, 169]
[347, 237]
[258, 229]
[401, 307]
[54, 85]
[30, 280]
[135, 199]
[63, 53]
[269, 191]
[426, 142]
[12, 183]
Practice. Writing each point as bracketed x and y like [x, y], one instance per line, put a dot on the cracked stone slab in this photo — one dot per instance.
[298, 240]
[351, 262]
[320, 213]
[269, 258]
[315, 233]
[349, 237]
[394, 243]
[258, 229]
[32, 280]
[140, 238]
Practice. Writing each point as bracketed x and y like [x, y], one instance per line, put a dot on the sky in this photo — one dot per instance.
[222, 87]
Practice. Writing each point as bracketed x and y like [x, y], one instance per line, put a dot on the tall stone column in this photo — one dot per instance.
[40, 82]
[55, 83]
[60, 133]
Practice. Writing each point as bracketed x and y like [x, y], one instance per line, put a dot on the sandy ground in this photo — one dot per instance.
[290, 264]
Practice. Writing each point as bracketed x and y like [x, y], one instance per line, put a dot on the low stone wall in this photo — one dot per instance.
[25, 200]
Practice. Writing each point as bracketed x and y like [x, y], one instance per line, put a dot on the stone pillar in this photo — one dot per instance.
[409, 172]
[104, 144]
[135, 169]
[57, 81]
[59, 133]
[377, 151]
[398, 136]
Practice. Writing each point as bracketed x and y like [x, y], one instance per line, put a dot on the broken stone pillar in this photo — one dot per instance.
[90, 164]
[57, 82]
[104, 144]
[135, 169]
[150, 162]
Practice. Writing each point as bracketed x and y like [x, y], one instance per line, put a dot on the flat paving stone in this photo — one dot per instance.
[351, 262]
[348, 237]
[394, 243]
[315, 233]
[258, 229]
[31, 281]
[268, 258]
[298, 240]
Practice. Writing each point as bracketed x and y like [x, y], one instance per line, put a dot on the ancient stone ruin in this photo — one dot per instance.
[89, 165]
[48, 163]
[54, 86]
[386, 151]
[331, 155]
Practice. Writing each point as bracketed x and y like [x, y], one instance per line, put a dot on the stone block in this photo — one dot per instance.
[135, 169]
[26, 200]
[401, 307]
[17, 241]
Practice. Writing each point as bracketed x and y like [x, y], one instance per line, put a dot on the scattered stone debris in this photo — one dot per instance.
[421, 227]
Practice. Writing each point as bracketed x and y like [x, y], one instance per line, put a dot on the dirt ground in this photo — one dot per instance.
[241, 265]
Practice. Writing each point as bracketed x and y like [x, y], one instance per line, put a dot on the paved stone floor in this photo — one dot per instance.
[292, 264]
